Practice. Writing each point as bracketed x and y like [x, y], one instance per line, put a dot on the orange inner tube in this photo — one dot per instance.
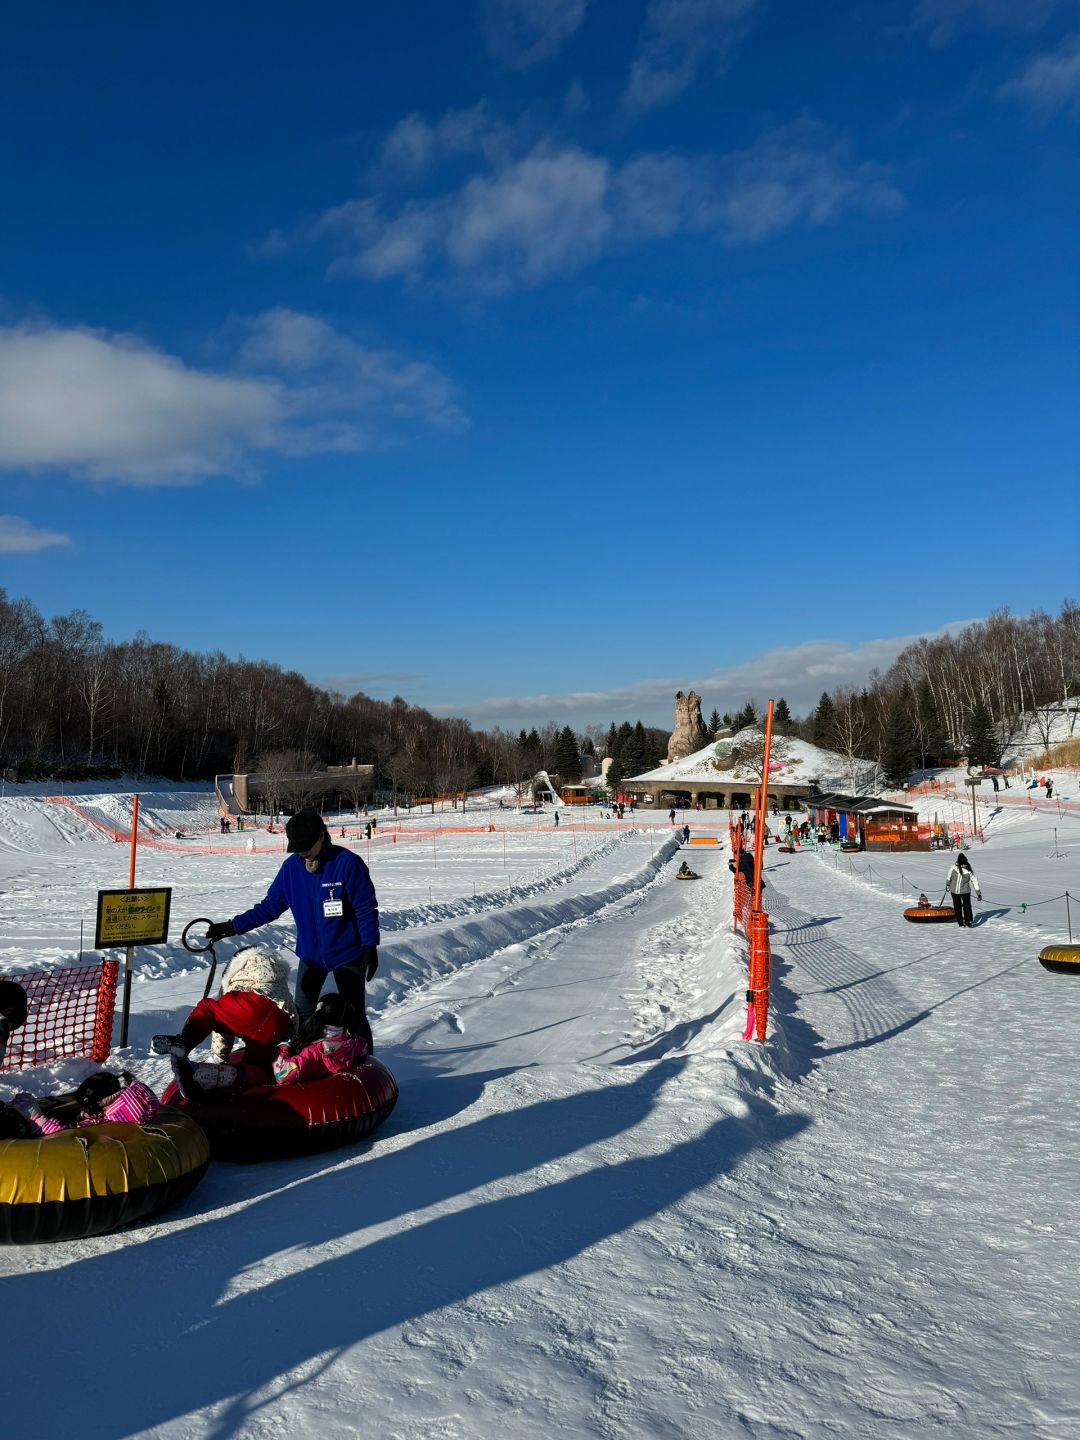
[930, 914]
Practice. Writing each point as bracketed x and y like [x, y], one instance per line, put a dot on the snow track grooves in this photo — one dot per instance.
[407, 965]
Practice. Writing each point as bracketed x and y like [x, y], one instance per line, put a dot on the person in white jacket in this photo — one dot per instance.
[961, 883]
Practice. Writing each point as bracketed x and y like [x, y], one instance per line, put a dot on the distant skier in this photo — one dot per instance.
[960, 884]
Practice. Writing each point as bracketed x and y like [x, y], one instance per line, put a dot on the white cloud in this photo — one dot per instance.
[414, 145]
[798, 672]
[798, 174]
[679, 39]
[19, 537]
[520, 33]
[110, 407]
[559, 207]
[1049, 82]
[944, 17]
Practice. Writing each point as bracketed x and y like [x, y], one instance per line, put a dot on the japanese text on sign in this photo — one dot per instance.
[132, 917]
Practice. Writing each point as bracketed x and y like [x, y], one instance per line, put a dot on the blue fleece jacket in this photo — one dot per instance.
[327, 941]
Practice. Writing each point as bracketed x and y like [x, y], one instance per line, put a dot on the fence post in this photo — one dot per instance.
[1068, 916]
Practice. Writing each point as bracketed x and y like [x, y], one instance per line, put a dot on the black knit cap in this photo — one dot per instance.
[304, 829]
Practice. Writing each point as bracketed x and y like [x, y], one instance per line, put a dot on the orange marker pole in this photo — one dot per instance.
[759, 828]
[129, 956]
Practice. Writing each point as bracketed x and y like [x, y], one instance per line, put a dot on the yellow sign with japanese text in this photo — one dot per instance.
[132, 917]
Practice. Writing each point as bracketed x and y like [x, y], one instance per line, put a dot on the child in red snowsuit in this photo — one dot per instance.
[255, 1006]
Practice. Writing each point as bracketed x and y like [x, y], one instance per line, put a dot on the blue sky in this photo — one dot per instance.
[474, 352]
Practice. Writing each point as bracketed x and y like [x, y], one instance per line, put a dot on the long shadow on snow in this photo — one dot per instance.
[187, 1343]
[677, 1038]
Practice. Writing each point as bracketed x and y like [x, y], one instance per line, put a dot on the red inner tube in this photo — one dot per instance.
[269, 1122]
[930, 914]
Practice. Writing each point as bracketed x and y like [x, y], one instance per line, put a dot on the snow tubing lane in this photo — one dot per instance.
[275, 1122]
[94, 1179]
[930, 914]
[1065, 959]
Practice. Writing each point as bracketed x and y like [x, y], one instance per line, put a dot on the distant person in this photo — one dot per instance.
[1049, 787]
[556, 819]
[671, 814]
[686, 834]
[961, 883]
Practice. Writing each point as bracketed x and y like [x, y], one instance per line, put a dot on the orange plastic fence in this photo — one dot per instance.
[70, 1014]
[758, 989]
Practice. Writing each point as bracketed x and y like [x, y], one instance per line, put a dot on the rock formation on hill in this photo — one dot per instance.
[689, 733]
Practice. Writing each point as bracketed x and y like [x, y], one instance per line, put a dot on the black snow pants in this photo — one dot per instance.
[961, 905]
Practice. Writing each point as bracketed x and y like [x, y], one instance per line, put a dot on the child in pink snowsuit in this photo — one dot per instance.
[326, 1045]
[102, 1098]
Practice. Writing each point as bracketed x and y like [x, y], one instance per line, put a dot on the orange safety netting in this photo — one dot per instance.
[70, 1014]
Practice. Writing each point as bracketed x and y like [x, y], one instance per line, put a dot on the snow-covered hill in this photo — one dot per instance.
[793, 759]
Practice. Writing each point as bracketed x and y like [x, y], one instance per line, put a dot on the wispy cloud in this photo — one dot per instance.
[798, 672]
[110, 407]
[681, 38]
[553, 210]
[415, 144]
[942, 18]
[520, 33]
[1049, 82]
[19, 537]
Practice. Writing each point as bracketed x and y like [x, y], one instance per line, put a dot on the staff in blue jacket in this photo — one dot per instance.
[329, 891]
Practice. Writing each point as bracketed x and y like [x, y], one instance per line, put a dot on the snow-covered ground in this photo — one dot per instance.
[596, 1211]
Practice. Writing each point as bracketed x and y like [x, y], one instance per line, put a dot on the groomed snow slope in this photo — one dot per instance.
[596, 1211]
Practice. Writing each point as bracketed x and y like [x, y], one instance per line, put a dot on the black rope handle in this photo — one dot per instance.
[187, 944]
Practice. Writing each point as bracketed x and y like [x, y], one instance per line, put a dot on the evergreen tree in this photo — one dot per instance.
[782, 716]
[587, 746]
[983, 745]
[567, 759]
[901, 745]
[714, 722]
[615, 774]
[726, 719]
[747, 716]
[823, 720]
[612, 746]
[637, 760]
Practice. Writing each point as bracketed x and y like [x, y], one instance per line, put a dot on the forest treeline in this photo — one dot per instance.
[74, 705]
[951, 695]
